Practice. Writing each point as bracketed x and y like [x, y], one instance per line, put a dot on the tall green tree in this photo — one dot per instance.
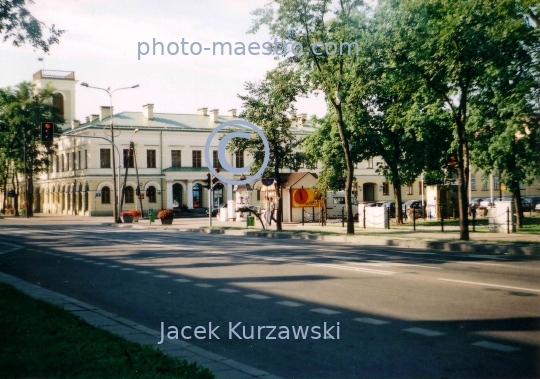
[449, 46]
[310, 24]
[20, 27]
[22, 109]
[268, 105]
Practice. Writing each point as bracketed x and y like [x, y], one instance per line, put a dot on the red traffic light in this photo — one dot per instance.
[47, 126]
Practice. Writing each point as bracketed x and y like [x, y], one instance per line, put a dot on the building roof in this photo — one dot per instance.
[166, 121]
[290, 179]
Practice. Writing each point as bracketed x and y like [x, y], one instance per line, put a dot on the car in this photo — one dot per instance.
[486, 203]
[413, 206]
[532, 202]
[537, 208]
[391, 205]
[475, 202]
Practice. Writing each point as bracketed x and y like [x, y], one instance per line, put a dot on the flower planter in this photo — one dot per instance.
[127, 219]
[136, 218]
[166, 221]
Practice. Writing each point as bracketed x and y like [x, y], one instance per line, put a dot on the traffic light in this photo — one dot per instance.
[47, 132]
[207, 181]
[138, 191]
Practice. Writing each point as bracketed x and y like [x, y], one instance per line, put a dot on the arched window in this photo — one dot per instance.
[105, 195]
[58, 102]
[151, 191]
[128, 195]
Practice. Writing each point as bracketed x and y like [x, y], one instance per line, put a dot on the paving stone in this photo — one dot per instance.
[232, 374]
[245, 368]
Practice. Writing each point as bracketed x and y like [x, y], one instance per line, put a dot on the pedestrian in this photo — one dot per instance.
[272, 210]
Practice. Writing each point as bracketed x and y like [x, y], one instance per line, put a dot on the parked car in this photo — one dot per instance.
[413, 206]
[537, 208]
[475, 202]
[532, 202]
[486, 203]
[391, 205]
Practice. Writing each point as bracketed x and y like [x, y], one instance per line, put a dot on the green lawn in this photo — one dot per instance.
[40, 340]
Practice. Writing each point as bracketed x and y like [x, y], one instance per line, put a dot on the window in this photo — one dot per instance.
[105, 158]
[239, 158]
[73, 161]
[58, 102]
[473, 182]
[151, 194]
[409, 190]
[176, 158]
[128, 195]
[370, 163]
[300, 159]
[105, 195]
[385, 188]
[485, 182]
[85, 159]
[63, 163]
[496, 182]
[79, 163]
[151, 158]
[196, 158]
[57, 164]
[215, 159]
[128, 158]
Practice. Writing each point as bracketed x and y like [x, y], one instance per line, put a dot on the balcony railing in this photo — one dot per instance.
[54, 74]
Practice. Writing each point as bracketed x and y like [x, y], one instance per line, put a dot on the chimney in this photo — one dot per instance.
[232, 112]
[203, 111]
[94, 117]
[148, 111]
[87, 119]
[214, 115]
[301, 119]
[104, 112]
[75, 123]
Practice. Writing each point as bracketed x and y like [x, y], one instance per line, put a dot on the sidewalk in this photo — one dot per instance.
[426, 237]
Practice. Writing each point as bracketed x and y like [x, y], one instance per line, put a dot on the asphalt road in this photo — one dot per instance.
[401, 313]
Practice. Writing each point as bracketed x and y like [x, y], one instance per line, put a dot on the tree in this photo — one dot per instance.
[307, 23]
[18, 25]
[22, 109]
[268, 105]
[449, 46]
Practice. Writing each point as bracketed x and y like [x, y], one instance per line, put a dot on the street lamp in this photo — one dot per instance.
[116, 190]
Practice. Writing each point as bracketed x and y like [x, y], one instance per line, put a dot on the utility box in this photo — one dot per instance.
[442, 198]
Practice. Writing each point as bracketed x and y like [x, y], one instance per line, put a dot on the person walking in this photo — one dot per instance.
[272, 207]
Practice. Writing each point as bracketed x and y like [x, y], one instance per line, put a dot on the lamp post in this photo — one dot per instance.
[116, 190]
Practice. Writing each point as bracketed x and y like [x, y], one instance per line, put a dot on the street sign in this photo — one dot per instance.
[98, 194]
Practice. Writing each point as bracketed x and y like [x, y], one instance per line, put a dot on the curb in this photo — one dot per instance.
[222, 367]
[450, 246]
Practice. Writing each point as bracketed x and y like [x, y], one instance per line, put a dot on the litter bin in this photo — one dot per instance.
[23, 212]
[151, 216]
[250, 220]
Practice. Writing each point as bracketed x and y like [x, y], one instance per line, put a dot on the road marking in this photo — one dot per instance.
[113, 266]
[359, 269]
[289, 303]
[258, 297]
[142, 272]
[496, 346]
[490, 285]
[424, 332]
[182, 280]
[228, 290]
[372, 321]
[161, 276]
[204, 285]
[98, 263]
[325, 311]
[486, 256]
[127, 269]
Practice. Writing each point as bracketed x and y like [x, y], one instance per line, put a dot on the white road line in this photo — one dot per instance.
[490, 285]
[182, 280]
[161, 276]
[142, 272]
[359, 269]
[258, 297]
[289, 303]
[113, 266]
[13, 247]
[228, 290]
[372, 321]
[204, 285]
[127, 269]
[98, 263]
[424, 332]
[325, 311]
[496, 346]
[484, 256]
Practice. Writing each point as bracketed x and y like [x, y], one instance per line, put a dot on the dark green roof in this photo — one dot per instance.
[189, 169]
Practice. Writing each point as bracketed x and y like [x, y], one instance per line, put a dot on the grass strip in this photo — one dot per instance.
[41, 340]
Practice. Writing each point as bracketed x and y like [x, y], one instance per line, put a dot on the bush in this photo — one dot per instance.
[128, 213]
[165, 213]
[135, 212]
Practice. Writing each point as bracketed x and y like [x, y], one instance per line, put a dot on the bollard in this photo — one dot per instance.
[414, 219]
[508, 220]
[342, 216]
[313, 215]
[388, 216]
[364, 216]
[302, 216]
[151, 216]
[442, 218]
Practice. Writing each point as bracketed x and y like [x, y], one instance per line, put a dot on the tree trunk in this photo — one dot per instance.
[16, 197]
[398, 198]
[30, 196]
[278, 199]
[519, 208]
[463, 182]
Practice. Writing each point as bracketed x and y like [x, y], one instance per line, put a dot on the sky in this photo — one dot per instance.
[101, 45]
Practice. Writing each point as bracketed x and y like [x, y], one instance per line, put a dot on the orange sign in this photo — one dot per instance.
[304, 197]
